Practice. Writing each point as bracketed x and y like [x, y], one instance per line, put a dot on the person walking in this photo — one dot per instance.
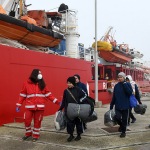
[137, 96]
[80, 84]
[120, 99]
[84, 88]
[79, 96]
[35, 93]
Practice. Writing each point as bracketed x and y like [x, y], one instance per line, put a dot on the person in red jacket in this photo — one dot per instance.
[35, 93]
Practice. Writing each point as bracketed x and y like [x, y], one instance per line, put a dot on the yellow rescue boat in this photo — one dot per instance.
[103, 46]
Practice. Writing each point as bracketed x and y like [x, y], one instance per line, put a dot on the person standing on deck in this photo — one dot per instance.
[120, 99]
[35, 93]
[137, 96]
[84, 88]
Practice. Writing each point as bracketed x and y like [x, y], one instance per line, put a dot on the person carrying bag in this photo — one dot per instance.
[67, 103]
[78, 110]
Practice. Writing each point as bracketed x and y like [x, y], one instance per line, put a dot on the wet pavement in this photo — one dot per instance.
[96, 137]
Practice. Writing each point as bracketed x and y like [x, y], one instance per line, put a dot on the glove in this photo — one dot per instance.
[17, 109]
[140, 102]
[111, 107]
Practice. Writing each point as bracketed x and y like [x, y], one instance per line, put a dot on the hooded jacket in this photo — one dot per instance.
[82, 86]
[121, 94]
[34, 98]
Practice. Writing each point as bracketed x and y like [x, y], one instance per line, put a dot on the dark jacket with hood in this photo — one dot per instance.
[121, 95]
[82, 86]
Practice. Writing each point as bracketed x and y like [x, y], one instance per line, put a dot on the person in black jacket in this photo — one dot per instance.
[121, 94]
[84, 88]
[79, 96]
[80, 84]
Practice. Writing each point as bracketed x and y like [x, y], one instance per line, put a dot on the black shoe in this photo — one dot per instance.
[78, 138]
[122, 135]
[71, 137]
[149, 126]
[34, 139]
[25, 138]
[133, 120]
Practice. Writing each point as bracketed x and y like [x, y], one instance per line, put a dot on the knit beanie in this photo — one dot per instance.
[76, 75]
[122, 74]
[72, 80]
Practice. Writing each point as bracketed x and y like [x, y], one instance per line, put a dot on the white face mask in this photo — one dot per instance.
[39, 76]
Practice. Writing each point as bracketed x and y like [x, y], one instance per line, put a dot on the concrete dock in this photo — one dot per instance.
[96, 137]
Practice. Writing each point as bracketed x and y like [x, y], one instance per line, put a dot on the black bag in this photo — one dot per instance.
[89, 100]
[91, 118]
[140, 109]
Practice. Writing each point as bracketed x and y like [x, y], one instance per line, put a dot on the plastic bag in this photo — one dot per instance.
[109, 118]
[59, 121]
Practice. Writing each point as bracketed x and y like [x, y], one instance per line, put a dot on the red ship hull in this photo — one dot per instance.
[16, 65]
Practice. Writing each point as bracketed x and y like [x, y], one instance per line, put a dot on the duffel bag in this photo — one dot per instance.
[78, 110]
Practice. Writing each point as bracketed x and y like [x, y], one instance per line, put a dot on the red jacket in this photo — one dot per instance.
[34, 97]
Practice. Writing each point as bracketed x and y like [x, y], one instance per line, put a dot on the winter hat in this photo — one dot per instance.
[76, 75]
[122, 74]
[72, 80]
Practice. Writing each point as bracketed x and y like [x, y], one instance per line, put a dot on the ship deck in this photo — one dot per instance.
[97, 136]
